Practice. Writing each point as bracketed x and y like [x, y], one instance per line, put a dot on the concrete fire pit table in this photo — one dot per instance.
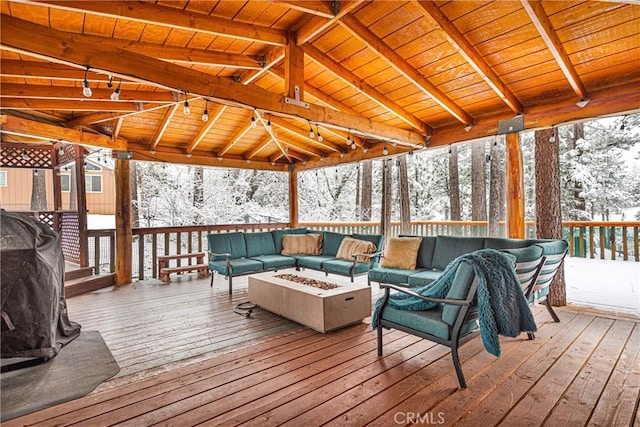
[320, 309]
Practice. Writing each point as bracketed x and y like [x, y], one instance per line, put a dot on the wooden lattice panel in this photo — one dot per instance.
[12, 156]
[70, 236]
[48, 219]
[65, 153]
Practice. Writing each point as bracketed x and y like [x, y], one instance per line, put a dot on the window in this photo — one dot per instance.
[65, 182]
[3, 178]
[90, 167]
[93, 183]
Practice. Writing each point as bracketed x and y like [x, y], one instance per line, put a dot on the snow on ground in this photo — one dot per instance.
[604, 284]
[99, 222]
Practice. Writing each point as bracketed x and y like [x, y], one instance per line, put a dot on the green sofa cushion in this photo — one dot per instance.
[551, 247]
[239, 266]
[530, 253]
[504, 243]
[449, 248]
[425, 252]
[423, 278]
[273, 262]
[428, 321]
[331, 243]
[259, 244]
[459, 290]
[231, 243]
[277, 236]
[313, 262]
[342, 267]
[390, 275]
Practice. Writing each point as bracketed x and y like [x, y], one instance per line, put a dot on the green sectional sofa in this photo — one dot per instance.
[237, 253]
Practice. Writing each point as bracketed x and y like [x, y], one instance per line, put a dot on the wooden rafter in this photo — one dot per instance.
[272, 134]
[259, 147]
[366, 89]
[117, 125]
[294, 71]
[28, 128]
[312, 7]
[47, 70]
[303, 148]
[297, 131]
[150, 13]
[93, 118]
[274, 56]
[469, 53]
[32, 39]
[318, 24]
[163, 125]
[240, 133]
[291, 153]
[214, 116]
[14, 90]
[374, 43]
[64, 105]
[545, 28]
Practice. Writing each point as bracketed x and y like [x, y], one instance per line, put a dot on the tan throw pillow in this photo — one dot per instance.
[402, 253]
[351, 246]
[302, 244]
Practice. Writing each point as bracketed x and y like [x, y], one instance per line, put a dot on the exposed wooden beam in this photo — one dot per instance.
[294, 72]
[374, 43]
[151, 13]
[291, 153]
[32, 39]
[297, 131]
[163, 125]
[214, 115]
[515, 187]
[271, 133]
[240, 133]
[32, 129]
[261, 145]
[351, 156]
[47, 70]
[92, 118]
[545, 28]
[470, 54]
[318, 24]
[117, 125]
[303, 148]
[274, 56]
[14, 90]
[372, 93]
[312, 7]
[60, 105]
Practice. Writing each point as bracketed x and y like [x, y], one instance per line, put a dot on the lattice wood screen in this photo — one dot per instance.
[34, 157]
[70, 236]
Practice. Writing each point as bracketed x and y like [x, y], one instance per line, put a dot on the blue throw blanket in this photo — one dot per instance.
[502, 307]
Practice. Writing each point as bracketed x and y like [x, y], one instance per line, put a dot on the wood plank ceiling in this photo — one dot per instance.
[371, 77]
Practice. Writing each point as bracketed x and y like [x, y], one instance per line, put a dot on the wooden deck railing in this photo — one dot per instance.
[603, 240]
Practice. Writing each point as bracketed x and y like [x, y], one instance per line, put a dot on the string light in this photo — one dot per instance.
[320, 138]
[385, 150]
[349, 137]
[60, 151]
[312, 134]
[205, 114]
[269, 123]
[25, 155]
[110, 82]
[116, 93]
[86, 90]
[253, 119]
[186, 109]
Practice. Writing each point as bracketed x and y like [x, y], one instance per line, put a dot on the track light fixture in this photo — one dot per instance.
[86, 90]
[116, 93]
[205, 114]
[320, 138]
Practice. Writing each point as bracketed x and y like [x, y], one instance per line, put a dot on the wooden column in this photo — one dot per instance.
[81, 196]
[124, 235]
[293, 198]
[294, 70]
[515, 187]
[57, 190]
[385, 216]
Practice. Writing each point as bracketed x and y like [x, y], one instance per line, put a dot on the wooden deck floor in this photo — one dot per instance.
[187, 359]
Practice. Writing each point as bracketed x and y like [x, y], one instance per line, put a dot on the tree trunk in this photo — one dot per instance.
[496, 190]
[580, 204]
[385, 217]
[358, 193]
[73, 189]
[135, 212]
[403, 184]
[548, 214]
[478, 182]
[38, 191]
[198, 193]
[454, 184]
[367, 189]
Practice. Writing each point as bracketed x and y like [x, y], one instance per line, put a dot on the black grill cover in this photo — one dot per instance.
[34, 320]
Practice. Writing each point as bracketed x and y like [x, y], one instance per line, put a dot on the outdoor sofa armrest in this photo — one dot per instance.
[370, 256]
[226, 255]
[387, 287]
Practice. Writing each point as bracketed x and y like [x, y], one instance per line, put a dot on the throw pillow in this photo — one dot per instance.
[302, 244]
[402, 253]
[351, 246]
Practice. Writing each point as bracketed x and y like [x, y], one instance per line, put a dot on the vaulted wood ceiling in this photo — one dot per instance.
[391, 76]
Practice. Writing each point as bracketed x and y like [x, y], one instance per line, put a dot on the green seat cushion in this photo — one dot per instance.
[428, 321]
[423, 278]
[273, 262]
[425, 252]
[530, 253]
[504, 243]
[313, 262]
[343, 267]
[231, 243]
[277, 236]
[552, 247]
[331, 243]
[259, 244]
[449, 248]
[390, 275]
[239, 266]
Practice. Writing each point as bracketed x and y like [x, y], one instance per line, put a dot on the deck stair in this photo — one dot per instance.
[82, 280]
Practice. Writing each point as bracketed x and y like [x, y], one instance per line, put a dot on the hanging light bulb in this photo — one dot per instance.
[312, 134]
[60, 151]
[385, 150]
[86, 90]
[35, 172]
[348, 139]
[116, 93]
[269, 123]
[320, 138]
[110, 82]
[205, 114]
[186, 109]
[353, 145]
[25, 155]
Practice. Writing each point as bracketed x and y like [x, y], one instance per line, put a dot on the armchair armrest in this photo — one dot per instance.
[224, 254]
[387, 287]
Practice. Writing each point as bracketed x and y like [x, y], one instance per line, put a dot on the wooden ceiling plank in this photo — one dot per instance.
[240, 133]
[298, 132]
[163, 125]
[13, 90]
[62, 105]
[155, 14]
[274, 138]
[33, 39]
[317, 8]
[206, 127]
[356, 28]
[303, 148]
[29, 128]
[317, 25]
[93, 118]
[371, 92]
[266, 141]
[462, 45]
[545, 28]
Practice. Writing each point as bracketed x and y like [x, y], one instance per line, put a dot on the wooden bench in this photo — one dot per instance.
[165, 270]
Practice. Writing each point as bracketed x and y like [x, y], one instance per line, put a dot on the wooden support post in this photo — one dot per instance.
[293, 198]
[294, 71]
[81, 196]
[57, 190]
[124, 235]
[515, 187]
[385, 216]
